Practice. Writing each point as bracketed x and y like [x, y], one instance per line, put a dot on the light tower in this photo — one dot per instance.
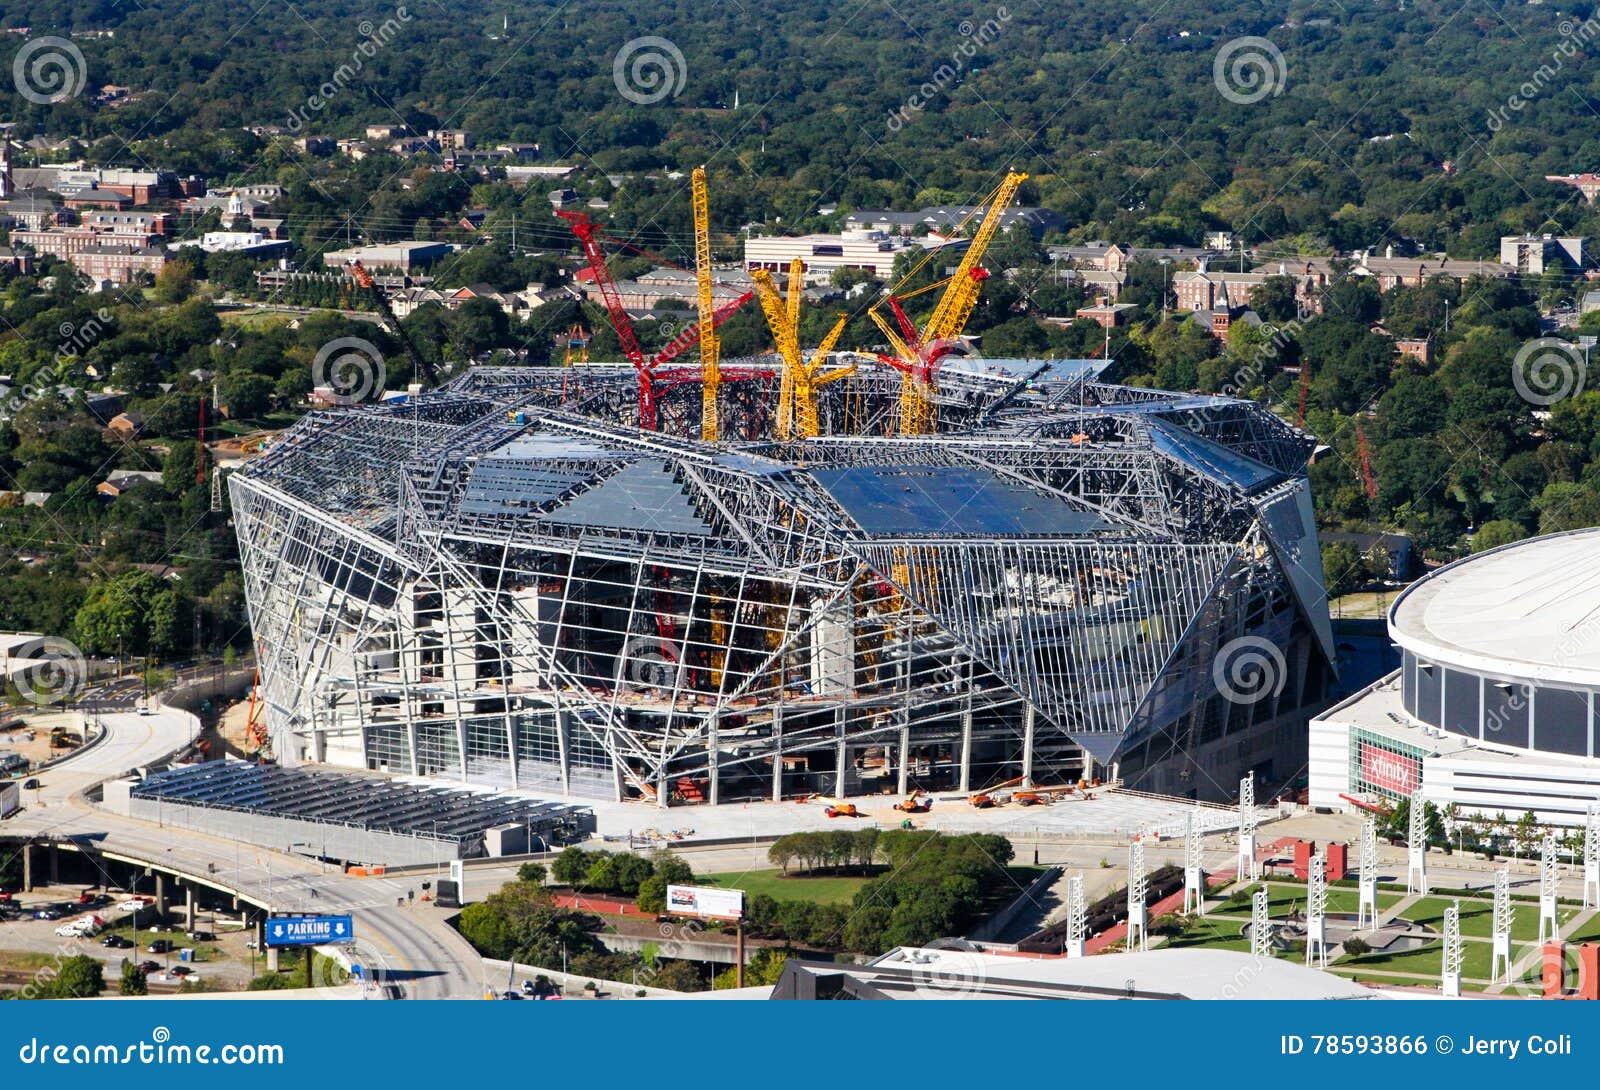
[1247, 829]
[1591, 859]
[1317, 912]
[1137, 912]
[1502, 925]
[1549, 929]
[1260, 925]
[1077, 918]
[1194, 875]
[1367, 877]
[1452, 951]
[1417, 846]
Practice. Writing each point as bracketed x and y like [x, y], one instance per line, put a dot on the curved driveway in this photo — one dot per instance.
[422, 954]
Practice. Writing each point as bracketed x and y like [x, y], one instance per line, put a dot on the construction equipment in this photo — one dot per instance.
[843, 809]
[1305, 388]
[802, 377]
[1029, 798]
[915, 804]
[982, 802]
[419, 366]
[577, 337]
[1368, 479]
[710, 350]
[650, 371]
[917, 352]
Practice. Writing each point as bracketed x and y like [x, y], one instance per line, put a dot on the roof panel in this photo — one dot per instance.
[890, 500]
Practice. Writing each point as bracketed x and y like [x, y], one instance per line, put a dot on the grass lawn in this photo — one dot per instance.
[1589, 932]
[1212, 935]
[822, 891]
[1477, 917]
[1282, 899]
[255, 318]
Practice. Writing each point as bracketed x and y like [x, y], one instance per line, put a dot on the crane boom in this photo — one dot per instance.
[917, 352]
[710, 374]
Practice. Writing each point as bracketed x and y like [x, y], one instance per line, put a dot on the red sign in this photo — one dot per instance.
[1390, 771]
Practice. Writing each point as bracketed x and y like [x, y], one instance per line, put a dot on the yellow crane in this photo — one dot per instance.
[710, 347]
[917, 352]
[802, 378]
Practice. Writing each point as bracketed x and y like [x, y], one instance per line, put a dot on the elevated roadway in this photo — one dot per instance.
[421, 955]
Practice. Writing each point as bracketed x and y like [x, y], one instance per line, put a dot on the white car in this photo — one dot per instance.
[131, 905]
[73, 929]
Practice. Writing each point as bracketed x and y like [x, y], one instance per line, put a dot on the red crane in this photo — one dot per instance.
[650, 373]
[1367, 477]
[1305, 386]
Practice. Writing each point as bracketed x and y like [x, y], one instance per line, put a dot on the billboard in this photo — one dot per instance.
[1392, 772]
[309, 930]
[716, 904]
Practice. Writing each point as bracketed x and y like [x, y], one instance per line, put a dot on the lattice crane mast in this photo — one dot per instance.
[802, 378]
[710, 349]
[588, 234]
[917, 352]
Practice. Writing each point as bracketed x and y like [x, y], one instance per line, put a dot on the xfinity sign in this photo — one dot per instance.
[309, 930]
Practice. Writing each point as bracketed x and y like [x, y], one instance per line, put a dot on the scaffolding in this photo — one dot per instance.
[508, 582]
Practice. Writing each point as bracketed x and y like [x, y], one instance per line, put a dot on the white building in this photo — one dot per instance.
[1494, 705]
[872, 251]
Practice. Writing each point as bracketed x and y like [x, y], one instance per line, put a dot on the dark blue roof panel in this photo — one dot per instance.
[893, 500]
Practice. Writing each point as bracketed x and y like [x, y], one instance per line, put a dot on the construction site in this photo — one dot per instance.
[681, 579]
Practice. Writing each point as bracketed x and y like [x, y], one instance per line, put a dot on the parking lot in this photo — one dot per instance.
[35, 934]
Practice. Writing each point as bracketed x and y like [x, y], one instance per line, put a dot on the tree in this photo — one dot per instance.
[245, 396]
[532, 872]
[175, 282]
[133, 980]
[1342, 568]
[77, 977]
[1495, 533]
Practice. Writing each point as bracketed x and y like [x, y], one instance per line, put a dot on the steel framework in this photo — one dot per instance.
[507, 581]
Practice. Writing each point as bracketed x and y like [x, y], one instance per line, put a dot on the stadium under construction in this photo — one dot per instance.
[507, 581]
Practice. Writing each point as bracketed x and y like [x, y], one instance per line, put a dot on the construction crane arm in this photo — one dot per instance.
[681, 343]
[942, 319]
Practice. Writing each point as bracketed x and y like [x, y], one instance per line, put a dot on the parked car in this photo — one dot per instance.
[202, 936]
[160, 946]
[181, 971]
[148, 967]
[510, 995]
[30, 784]
[116, 942]
[46, 914]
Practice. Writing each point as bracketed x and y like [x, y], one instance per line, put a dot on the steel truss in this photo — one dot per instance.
[507, 582]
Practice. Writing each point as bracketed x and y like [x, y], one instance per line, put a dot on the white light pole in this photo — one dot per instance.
[1502, 926]
[1137, 888]
[1549, 929]
[1260, 925]
[1417, 846]
[1248, 867]
[1591, 858]
[1451, 983]
[1194, 875]
[1317, 912]
[1077, 918]
[1367, 880]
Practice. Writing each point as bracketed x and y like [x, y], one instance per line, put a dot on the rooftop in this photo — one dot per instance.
[1530, 609]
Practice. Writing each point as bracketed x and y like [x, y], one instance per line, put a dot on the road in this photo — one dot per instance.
[422, 955]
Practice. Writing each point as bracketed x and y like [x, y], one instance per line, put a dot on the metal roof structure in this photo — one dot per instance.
[506, 581]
